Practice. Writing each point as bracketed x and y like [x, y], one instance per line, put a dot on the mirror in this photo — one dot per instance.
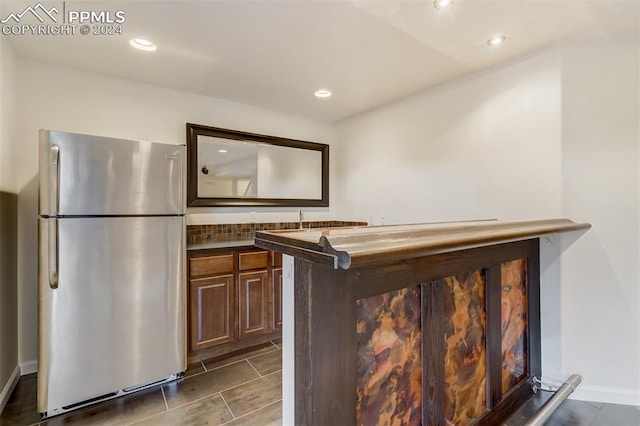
[233, 168]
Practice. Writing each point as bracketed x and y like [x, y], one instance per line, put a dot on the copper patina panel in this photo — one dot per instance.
[514, 322]
[465, 356]
[389, 366]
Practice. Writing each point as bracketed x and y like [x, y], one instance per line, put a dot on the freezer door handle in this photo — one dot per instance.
[54, 179]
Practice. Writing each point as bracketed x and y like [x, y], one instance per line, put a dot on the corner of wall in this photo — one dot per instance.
[28, 367]
[9, 387]
[9, 368]
[607, 395]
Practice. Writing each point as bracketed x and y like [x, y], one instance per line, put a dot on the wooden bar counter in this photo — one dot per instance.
[428, 324]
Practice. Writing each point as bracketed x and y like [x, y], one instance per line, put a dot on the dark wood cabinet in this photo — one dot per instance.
[276, 290]
[231, 300]
[276, 282]
[212, 264]
[254, 289]
[212, 300]
[250, 260]
[212, 303]
[254, 303]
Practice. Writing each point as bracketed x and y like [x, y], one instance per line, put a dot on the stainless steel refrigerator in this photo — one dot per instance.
[111, 268]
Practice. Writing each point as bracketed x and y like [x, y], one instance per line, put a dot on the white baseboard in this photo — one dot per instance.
[605, 394]
[8, 387]
[29, 367]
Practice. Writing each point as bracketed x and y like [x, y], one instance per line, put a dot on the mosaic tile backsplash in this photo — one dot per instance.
[246, 231]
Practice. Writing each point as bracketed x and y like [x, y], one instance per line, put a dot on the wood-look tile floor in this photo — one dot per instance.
[244, 389]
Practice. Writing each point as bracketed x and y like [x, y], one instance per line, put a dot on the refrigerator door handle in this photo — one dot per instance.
[54, 194]
[54, 180]
[53, 252]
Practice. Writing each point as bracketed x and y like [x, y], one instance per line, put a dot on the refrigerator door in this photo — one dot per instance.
[116, 318]
[83, 175]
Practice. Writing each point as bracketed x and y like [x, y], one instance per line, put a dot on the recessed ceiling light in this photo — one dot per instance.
[222, 150]
[142, 44]
[496, 40]
[322, 93]
[440, 4]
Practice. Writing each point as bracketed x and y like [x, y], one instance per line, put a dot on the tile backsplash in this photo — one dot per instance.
[246, 231]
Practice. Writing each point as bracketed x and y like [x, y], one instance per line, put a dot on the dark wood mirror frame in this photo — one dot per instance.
[194, 130]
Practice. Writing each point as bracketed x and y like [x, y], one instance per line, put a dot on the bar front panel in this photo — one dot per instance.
[465, 360]
[514, 322]
[389, 359]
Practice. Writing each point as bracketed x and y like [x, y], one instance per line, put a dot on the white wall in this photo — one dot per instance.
[600, 279]
[285, 173]
[76, 101]
[7, 116]
[485, 146]
[8, 242]
[70, 100]
[549, 135]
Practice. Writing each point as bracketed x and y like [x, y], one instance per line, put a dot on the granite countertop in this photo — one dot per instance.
[220, 244]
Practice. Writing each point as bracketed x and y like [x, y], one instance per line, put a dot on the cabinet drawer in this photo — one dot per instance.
[253, 260]
[208, 265]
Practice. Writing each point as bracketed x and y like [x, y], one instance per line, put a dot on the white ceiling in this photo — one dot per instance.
[275, 54]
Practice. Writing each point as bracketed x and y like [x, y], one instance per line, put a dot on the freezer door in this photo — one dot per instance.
[117, 317]
[89, 175]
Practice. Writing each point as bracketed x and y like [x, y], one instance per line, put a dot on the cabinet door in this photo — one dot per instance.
[276, 282]
[254, 303]
[211, 309]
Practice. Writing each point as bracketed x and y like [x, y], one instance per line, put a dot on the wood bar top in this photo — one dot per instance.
[370, 245]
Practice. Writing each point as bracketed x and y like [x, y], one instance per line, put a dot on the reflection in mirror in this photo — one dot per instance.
[227, 171]
[247, 169]
[232, 168]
